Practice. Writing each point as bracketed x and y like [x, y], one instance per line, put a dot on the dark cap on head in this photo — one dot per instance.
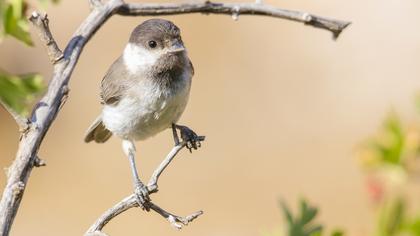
[157, 30]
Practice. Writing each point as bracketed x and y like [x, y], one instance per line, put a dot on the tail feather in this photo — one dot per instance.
[97, 132]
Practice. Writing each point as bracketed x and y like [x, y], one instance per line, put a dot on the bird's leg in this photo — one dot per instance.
[175, 134]
[193, 141]
[140, 190]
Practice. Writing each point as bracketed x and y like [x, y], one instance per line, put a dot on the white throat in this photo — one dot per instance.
[138, 59]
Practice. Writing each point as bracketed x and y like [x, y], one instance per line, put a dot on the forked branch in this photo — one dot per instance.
[131, 201]
[47, 109]
[44, 33]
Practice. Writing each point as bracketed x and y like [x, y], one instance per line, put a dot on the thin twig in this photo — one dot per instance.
[21, 121]
[130, 202]
[152, 185]
[46, 110]
[176, 221]
[234, 9]
[44, 33]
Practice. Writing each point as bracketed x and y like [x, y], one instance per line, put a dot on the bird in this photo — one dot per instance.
[144, 92]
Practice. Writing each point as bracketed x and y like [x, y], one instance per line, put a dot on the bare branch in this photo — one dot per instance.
[114, 211]
[130, 202]
[21, 121]
[46, 110]
[234, 9]
[44, 33]
[176, 221]
[152, 185]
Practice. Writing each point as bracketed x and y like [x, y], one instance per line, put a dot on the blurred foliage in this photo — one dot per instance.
[303, 223]
[17, 91]
[14, 22]
[391, 162]
[395, 150]
[394, 219]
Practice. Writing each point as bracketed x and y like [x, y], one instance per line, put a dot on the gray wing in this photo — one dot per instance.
[114, 83]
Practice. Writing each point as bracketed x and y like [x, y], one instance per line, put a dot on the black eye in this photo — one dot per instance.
[152, 44]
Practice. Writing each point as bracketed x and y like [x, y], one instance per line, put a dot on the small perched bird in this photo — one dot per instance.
[144, 92]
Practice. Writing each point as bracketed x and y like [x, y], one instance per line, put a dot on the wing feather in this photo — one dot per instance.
[114, 84]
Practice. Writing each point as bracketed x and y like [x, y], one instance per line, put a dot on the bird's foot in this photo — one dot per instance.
[142, 194]
[193, 141]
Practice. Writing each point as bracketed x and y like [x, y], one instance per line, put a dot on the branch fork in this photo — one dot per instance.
[41, 23]
[131, 201]
[44, 113]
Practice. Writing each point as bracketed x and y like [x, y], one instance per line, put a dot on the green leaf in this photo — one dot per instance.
[391, 218]
[390, 144]
[15, 22]
[302, 225]
[287, 213]
[337, 232]
[17, 91]
[313, 230]
[307, 213]
[414, 226]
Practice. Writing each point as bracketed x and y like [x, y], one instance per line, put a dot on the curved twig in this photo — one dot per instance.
[131, 201]
[46, 110]
[234, 9]
[44, 33]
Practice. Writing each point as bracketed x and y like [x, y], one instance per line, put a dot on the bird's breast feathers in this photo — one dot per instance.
[146, 109]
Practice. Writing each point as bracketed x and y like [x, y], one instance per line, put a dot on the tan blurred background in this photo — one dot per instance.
[282, 105]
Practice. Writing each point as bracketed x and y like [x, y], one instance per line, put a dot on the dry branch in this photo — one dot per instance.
[46, 110]
[131, 201]
[234, 9]
[44, 33]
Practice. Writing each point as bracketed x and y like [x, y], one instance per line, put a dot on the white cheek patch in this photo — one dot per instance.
[137, 58]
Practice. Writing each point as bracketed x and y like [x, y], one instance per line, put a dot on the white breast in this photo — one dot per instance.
[146, 111]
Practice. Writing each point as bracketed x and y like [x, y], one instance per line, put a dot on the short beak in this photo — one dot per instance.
[177, 47]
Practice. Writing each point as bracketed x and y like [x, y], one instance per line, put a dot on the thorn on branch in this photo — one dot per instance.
[235, 13]
[307, 17]
[39, 162]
